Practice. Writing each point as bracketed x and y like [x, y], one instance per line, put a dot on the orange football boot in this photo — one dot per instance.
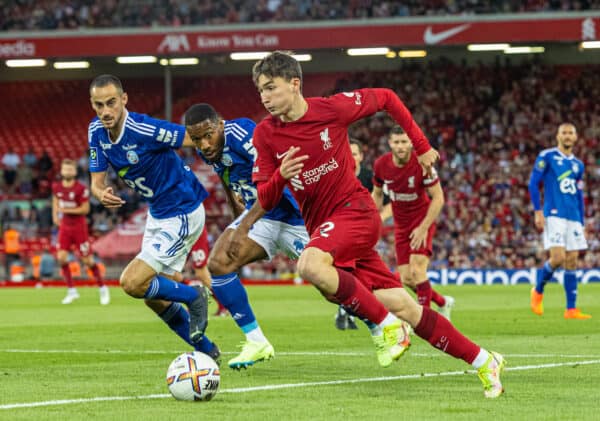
[575, 313]
[537, 306]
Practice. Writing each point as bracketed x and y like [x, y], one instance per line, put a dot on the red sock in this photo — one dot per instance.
[358, 299]
[437, 298]
[97, 276]
[440, 333]
[67, 275]
[424, 291]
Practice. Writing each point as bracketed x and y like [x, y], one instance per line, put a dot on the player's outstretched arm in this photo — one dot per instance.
[104, 193]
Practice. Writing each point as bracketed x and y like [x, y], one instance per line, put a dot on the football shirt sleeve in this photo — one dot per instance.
[539, 169]
[377, 179]
[352, 106]
[265, 173]
[97, 160]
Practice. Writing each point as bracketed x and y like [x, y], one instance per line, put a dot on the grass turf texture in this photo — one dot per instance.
[50, 352]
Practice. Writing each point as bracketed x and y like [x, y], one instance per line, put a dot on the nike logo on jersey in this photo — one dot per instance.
[430, 38]
[281, 155]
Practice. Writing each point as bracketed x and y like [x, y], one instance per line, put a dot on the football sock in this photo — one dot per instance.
[424, 291]
[66, 271]
[162, 288]
[570, 285]
[357, 299]
[231, 293]
[437, 298]
[544, 275]
[178, 319]
[480, 359]
[97, 276]
[440, 333]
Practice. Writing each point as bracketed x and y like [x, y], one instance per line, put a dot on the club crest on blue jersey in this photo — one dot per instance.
[226, 160]
[132, 157]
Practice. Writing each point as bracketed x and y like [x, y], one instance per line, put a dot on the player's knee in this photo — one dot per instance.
[219, 264]
[570, 263]
[309, 264]
[131, 285]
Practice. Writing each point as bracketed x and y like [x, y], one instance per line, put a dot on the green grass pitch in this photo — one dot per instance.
[110, 362]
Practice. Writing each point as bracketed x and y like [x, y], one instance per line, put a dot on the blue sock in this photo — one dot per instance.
[231, 293]
[178, 319]
[543, 276]
[162, 288]
[570, 285]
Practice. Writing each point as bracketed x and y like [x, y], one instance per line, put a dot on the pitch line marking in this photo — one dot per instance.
[291, 353]
[290, 385]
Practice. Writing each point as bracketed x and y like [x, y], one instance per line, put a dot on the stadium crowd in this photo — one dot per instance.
[73, 14]
[488, 121]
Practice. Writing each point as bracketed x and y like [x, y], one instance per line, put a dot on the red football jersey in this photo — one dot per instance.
[71, 197]
[327, 181]
[405, 186]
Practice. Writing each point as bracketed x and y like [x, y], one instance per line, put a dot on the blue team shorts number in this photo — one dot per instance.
[138, 186]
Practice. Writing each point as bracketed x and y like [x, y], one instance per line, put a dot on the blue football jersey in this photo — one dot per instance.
[235, 168]
[144, 158]
[562, 177]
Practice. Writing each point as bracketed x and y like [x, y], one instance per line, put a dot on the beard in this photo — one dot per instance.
[68, 178]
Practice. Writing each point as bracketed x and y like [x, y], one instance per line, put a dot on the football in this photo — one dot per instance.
[193, 376]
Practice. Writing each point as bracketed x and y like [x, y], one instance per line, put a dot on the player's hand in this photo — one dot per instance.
[428, 159]
[418, 237]
[291, 166]
[110, 200]
[539, 220]
[235, 242]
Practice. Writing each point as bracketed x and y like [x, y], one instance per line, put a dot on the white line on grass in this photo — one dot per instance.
[291, 385]
[292, 353]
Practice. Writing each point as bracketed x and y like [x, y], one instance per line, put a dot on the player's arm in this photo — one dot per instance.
[368, 101]
[535, 179]
[580, 195]
[235, 203]
[385, 211]
[270, 192]
[55, 219]
[103, 192]
[418, 237]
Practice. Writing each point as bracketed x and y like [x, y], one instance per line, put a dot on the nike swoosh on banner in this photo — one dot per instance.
[430, 38]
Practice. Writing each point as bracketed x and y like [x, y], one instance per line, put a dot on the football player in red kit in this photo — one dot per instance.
[304, 144]
[416, 201]
[70, 205]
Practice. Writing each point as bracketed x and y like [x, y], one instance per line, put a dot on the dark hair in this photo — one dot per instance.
[197, 113]
[105, 80]
[396, 129]
[277, 64]
[354, 141]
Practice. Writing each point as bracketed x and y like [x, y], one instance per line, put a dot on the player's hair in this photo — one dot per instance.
[105, 80]
[197, 113]
[396, 129]
[358, 143]
[68, 161]
[277, 64]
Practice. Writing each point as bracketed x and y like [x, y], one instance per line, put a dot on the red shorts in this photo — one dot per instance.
[403, 250]
[74, 238]
[350, 236]
[199, 251]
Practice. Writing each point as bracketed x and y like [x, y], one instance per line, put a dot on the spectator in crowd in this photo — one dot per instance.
[10, 162]
[45, 164]
[30, 158]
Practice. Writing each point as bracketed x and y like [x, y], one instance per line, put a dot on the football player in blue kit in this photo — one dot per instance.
[227, 146]
[141, 151]
[562, 217]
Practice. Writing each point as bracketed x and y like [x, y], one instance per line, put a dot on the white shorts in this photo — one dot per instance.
[168, 241]
[274, 236]
[560, 232]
